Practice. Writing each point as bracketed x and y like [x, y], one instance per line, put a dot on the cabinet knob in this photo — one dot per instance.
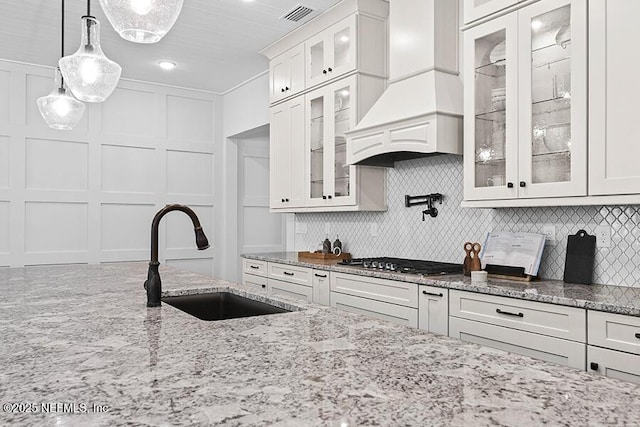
[282, 90]
[264, 286]
[638, 335]
[324, 71]
[282, 200]
[330, 69]
[286, 200]
[286, 88]
[523, 184]
[329, 196]
[509, 184]
[324, 197]
[594, 366]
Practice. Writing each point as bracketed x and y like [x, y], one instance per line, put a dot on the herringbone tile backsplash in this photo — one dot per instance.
[402, 233]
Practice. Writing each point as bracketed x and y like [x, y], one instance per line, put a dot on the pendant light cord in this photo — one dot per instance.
[89, 23]
[62, 43]
[88, 7]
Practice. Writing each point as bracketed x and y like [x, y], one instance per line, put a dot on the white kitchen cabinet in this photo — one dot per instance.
[254, 273]
[380, 310]
[290, 280]
[356, 42]
[526, 103]
[614, 91]
[253, 281]
[287, 154]
[290, 273]
[614, 345]
[545, 331]
[433, 309]
[321, 287]
[286, 74]
[291, 290]
[331, 111]
[476, 9]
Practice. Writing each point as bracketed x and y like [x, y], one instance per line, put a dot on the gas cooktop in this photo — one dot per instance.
[400, 265]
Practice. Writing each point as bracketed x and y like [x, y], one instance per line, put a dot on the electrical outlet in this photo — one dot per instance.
[301, 227]
[373, 229]
[550, 232]
[603, 236]
[327, 228]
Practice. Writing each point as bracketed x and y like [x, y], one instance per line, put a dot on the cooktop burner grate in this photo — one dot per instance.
[401, 265]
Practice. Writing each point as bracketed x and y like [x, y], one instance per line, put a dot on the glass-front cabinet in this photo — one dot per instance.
[525, 103]
[330, 113]
[332, 52]
[476, 9]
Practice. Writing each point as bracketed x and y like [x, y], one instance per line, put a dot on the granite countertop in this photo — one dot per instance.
[609, 298]
[78, 336]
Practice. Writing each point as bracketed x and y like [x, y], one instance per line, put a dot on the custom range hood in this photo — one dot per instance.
[420, 113]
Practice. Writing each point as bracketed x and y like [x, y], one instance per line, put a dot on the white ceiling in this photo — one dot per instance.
[214, 42]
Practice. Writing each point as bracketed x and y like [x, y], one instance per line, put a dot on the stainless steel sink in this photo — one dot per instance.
[220, 306]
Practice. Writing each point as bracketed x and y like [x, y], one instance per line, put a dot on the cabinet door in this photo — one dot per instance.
[614, 91]
[343, 49]
[476, 9]
[321, 287]
[296, 71]
[491, 110]
[286, 154]
[278, 77]
[553, 99]
[317, 52]
[291, 290]
[316, 141]
[433, 309]
[380, 310]
[613, 364]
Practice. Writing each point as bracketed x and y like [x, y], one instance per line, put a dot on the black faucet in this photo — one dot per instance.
[153, 284]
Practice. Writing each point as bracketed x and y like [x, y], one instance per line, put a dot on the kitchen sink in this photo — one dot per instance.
[221, 306]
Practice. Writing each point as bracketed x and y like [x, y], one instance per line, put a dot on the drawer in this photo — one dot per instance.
[380, 310]
[251, 266]
[292, 290]
[614, 331]
[613, 364]
[391, 291]
[290, 273]
[550, 349]
[537, 317]
[257, 282]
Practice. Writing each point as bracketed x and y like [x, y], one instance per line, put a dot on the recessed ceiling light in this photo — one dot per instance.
[167, 65]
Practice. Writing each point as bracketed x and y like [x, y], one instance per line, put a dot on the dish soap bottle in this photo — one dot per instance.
[326, 245]
[337, 244]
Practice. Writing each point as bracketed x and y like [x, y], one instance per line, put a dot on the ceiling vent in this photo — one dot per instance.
[297, 13]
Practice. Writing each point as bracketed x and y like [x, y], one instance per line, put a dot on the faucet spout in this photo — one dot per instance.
[153, 284]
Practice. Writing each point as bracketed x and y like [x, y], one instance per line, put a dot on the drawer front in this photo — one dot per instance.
[257, 282]
[550, 349]
[614, 331]
[540, 318]
[433, 309]
[251, 266]
[613, 364]
[380, 310]
[290, 273]
[321, 291]
[390, 291]
[292, 290]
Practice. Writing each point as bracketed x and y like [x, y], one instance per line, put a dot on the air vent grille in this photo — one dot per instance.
[297, 13]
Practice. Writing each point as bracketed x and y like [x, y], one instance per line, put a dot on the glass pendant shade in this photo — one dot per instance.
[90, 75]
[60, 110]
[142, 21]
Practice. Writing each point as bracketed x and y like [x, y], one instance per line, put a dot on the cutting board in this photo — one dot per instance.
[581, 252]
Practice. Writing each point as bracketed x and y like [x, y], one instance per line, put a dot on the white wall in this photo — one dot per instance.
[88, 195]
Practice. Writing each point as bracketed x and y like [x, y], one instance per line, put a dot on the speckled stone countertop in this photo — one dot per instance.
[81, 336]
[609, 298]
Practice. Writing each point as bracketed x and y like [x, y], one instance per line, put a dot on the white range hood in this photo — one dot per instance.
[420, 113]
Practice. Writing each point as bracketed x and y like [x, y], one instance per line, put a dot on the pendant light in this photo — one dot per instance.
[91, 76]
[142, 21]
[60, 110]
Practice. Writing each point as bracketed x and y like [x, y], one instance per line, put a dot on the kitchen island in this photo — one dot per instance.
[78, 342]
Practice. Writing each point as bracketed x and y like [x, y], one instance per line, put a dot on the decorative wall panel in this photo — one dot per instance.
[56, 165]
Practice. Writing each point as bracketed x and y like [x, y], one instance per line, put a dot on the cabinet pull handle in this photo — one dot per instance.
[523, 184]
[255, 267]
[264, 286]
[508, 313]
[594, 366]
[638, 335]
[433, 294]
[287, 273]
[324, 276]
[509, 184]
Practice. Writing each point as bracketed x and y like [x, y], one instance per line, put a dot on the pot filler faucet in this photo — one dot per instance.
[153, 285]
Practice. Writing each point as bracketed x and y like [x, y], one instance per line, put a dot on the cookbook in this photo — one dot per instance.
[513, 250]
